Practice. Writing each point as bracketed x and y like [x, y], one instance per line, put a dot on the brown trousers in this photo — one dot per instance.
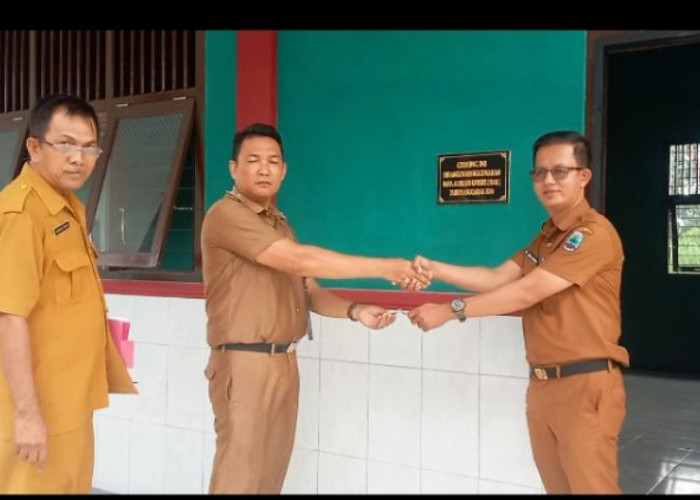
[574, 424]
[255, 398]
[69, 465]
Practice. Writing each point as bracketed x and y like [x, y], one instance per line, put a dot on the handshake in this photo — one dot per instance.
[409, 275]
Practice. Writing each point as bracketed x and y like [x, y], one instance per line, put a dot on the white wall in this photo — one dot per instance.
[389, 411]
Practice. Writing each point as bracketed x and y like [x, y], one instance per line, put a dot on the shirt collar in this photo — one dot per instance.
[572, 218]
[254, 206]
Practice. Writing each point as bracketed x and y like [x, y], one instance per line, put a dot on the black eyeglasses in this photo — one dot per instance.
[558, 173]
[71, 149]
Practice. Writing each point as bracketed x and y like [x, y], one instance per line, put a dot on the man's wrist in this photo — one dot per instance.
[351, 308]
[458, 309]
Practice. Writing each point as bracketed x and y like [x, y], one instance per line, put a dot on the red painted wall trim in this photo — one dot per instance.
[391, 299]
[256, 93]
[394, 299]
[154, 288]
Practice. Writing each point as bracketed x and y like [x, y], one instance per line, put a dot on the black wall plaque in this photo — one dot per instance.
[473, 177]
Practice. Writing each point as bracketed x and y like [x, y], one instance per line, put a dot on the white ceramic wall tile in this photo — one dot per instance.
[120, 405]
[505, 453]
[151, 372]
[344, 340]
[112, 455]
[187, 387]
[187, 323]
[120, 305]
[453, 347]
[209, 450]
[396, 345]
[385, 478]
[394, 415]
[447, 484]
[495, 488]
[307, 418]
[341, 475]
[302, 475]
[311, 348]
[183, 467]
[149, 321]
[343, 415]
[502, 347]
[147, 458]
[449, 434]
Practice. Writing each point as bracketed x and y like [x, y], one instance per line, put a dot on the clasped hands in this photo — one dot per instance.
[416, 276]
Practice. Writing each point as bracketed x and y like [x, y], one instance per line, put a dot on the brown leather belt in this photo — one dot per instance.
[590, 365]
[260, 347]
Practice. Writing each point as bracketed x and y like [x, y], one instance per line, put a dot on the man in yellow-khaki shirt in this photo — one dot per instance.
[57, 360]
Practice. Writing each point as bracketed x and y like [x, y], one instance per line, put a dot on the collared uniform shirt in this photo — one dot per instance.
[48, 275]
[247, 302]
[583, 321]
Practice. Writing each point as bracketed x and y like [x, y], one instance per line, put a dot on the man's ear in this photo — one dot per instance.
[284, 170]
[232, 169]
[586, 176]
[33, 147]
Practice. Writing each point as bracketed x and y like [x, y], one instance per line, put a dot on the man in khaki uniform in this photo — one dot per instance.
[567, 285]
[259, 288]
[57, 360]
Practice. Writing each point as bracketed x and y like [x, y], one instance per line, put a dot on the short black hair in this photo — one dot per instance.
[44, 110]
[582, 149]
[255, 130]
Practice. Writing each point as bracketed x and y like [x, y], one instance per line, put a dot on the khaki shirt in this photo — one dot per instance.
[48, 275]
[245, 301]
[583, 321]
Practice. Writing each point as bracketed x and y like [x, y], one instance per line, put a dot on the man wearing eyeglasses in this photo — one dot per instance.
[57, 360]
[566, 283]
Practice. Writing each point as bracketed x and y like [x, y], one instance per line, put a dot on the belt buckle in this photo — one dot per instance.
[540, 373]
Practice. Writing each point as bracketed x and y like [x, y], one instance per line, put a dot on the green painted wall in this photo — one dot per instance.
[365, 114]
[220, 112]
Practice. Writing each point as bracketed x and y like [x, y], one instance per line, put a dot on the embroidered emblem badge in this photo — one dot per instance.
[573, 241]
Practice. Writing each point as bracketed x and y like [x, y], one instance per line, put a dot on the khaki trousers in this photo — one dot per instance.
[69, 465]
[255, 398]
[574, 424]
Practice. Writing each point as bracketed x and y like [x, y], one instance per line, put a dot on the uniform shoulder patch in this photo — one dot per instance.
[574, 240]
[14, 197]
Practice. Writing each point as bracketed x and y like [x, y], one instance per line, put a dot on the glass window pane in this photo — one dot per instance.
[683, 171]
[178, 253]
[8, 145]
[84, 192]
[688, 218]
[135, 183]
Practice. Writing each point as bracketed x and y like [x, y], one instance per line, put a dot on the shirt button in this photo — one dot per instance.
[23, 185]
[296, 309]
[549, 245]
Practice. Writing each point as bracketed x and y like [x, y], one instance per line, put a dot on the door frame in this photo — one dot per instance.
[601, 44]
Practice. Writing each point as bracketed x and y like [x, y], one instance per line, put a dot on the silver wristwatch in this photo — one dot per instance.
[459, 307]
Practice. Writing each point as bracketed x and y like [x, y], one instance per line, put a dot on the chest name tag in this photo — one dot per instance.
[61, 227]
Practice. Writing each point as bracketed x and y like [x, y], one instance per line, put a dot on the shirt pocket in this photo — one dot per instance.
[73, 276]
